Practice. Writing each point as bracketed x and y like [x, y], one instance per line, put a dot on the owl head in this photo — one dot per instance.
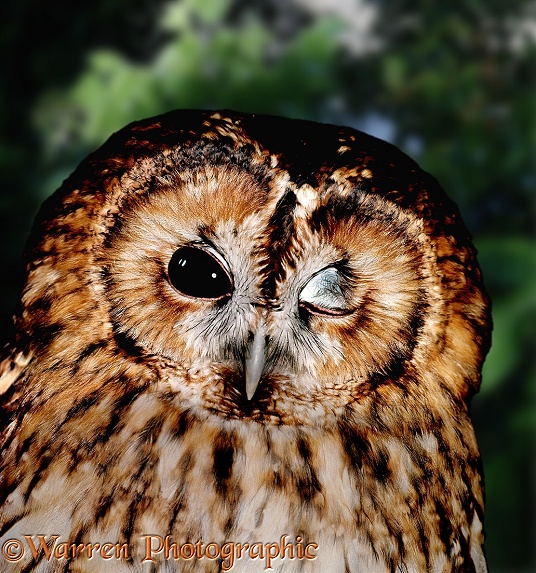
[256, 267]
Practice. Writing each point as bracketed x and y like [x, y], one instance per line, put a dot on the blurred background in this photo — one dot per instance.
[452, 84]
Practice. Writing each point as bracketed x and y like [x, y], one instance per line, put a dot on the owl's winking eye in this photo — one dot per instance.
[197, 273]
[323, 294]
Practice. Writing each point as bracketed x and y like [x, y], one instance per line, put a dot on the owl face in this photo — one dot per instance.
[276, 294]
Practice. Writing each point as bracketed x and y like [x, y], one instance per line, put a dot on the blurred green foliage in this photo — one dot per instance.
[452, 84]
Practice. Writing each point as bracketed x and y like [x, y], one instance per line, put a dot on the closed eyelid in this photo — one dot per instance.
[324, 290]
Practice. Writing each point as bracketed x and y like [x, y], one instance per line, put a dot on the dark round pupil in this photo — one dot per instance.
[194, 272]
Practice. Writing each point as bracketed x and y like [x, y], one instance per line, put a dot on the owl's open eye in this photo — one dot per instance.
[198, 273]
[324, 294]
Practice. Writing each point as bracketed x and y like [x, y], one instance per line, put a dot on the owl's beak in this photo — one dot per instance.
[254, 362]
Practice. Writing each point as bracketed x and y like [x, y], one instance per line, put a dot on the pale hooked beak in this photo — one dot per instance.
[254, 362]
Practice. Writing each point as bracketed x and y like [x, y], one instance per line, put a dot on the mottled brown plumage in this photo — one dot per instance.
[319, 389]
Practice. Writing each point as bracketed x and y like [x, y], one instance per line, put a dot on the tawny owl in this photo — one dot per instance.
[245, 343]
